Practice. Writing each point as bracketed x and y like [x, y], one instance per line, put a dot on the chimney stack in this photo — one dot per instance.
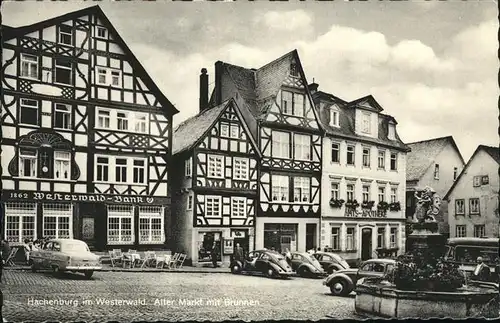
[313, 87]
[218, 82]
[203, 90]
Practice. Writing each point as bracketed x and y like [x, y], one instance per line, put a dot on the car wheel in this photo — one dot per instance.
[304, 272]
[88, 274]
[235, 269]
[270, 272]
[339, 288]
[55, 270]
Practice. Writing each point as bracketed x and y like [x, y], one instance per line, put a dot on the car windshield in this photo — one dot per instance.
[75, 246]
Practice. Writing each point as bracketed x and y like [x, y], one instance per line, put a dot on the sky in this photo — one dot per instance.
[430, 64]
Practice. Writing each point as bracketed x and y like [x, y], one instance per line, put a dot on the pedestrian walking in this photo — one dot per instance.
[482, 271]
[213, 254]
[239, 253]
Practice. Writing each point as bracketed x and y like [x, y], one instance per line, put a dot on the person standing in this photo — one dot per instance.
[239, 253]
[482, 271]
[213, 254]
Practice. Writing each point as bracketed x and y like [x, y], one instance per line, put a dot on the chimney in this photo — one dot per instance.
[203, 90]
[313, 87]
[218, 82]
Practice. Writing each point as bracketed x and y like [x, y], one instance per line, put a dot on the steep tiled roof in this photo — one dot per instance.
[422, 155]
[494, 152]
[190, 131]
[323, 103]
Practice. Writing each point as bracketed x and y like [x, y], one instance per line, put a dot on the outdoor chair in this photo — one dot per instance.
[140, 261]
[10, 258]
[161, 260]
[115, 260]
[180, 260]
[132, 251]
[173, 260]
[149, 259]
[127, 260]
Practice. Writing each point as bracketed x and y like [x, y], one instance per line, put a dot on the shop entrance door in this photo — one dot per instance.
[285, 243]
[366, 244]
[310, 236]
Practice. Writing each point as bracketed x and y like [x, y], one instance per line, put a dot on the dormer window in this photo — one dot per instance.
[366, 123]
[334, 117]
[294, 71]
[392, 131]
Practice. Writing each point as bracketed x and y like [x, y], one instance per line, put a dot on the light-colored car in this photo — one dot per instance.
[62, 255]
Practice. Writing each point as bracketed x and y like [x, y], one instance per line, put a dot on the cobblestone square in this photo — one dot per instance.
[125, 296]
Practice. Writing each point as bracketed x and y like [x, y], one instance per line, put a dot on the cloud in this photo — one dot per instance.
[285, 20]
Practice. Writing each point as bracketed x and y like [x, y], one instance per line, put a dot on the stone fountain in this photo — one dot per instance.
[421, 286]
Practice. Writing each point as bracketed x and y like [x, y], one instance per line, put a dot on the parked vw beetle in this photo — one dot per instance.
[343, 282]
[263, 262]
[331, 262]
[306, 265]
[62, 255]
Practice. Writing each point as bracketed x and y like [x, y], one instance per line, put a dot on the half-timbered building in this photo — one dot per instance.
[283, 122]
[86, 136]
[215, 194]
[363, 179]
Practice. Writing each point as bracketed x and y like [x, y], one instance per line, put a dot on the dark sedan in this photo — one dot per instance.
[343, 282]
[306, 265]
[263, 262]
[331, 262]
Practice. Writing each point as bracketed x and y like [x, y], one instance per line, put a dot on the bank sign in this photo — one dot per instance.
[8, 195]
[364, 213]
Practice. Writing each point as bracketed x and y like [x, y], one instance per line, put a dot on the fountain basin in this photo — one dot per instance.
[378, 300]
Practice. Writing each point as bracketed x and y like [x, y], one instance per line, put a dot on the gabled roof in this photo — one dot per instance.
[347, 113]
[368, 102]
[139, 70]
[494, 153]
[423, 154]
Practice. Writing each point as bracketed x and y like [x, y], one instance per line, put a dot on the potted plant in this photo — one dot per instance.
[368, 204]
[335, 203]
[395, 206]
[382, 206]
[352, 204]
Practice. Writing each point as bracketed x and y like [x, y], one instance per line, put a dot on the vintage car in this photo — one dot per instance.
[62, 255]
[263, 262]
[343, 282]
[330, 261]
[306, 265]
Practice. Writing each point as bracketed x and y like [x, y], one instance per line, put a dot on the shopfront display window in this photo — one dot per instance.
[280, 236]
[205, 245]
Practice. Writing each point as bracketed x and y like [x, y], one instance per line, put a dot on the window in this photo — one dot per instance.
[122, 120]
[280, 188]
[393, 243]
[350, 239]
[479, 231]
[224, 129]
[29, 66]
[294, 71]
[335, 238]
[120, 224]
[460, 231]
[62, 119]
[474, 206]
[29, 111]
[20, 221]
[381, 159]
[392, 132]
[101, 32]
[190, 202]
[108, 76]
[27, 162]
[63, 71]
[476, 181]
[62, 162]
[238, 207]
[334, 191]
[234, 131]
[280, 144]
[213, 207]
[460, 206]
[366, 123]
[394, 194]
[350, 192]
[381, 238]
[302, 147]
[139, 170]
[121, 170]
[102, 169]
[301, 189]
[366, 157]
[188, 166]
[151, 224]
[381, 194]
[292, 103]
[240, 168]
[215, 166]
[455, 173]
[350, 155]
[103, 118]
[140, 123]
[394, 161]
[65, 34]
[485, 180]
[335, 152]
[334, 117]
[436, 171]
[57, 221]
[366, 193]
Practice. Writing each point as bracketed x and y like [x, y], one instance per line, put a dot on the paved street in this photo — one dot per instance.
[166, 296]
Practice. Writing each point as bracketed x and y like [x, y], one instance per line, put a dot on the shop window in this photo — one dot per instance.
[206, 243]
[20, 222]
[120, 224]
[151, 225]
[57, 221]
